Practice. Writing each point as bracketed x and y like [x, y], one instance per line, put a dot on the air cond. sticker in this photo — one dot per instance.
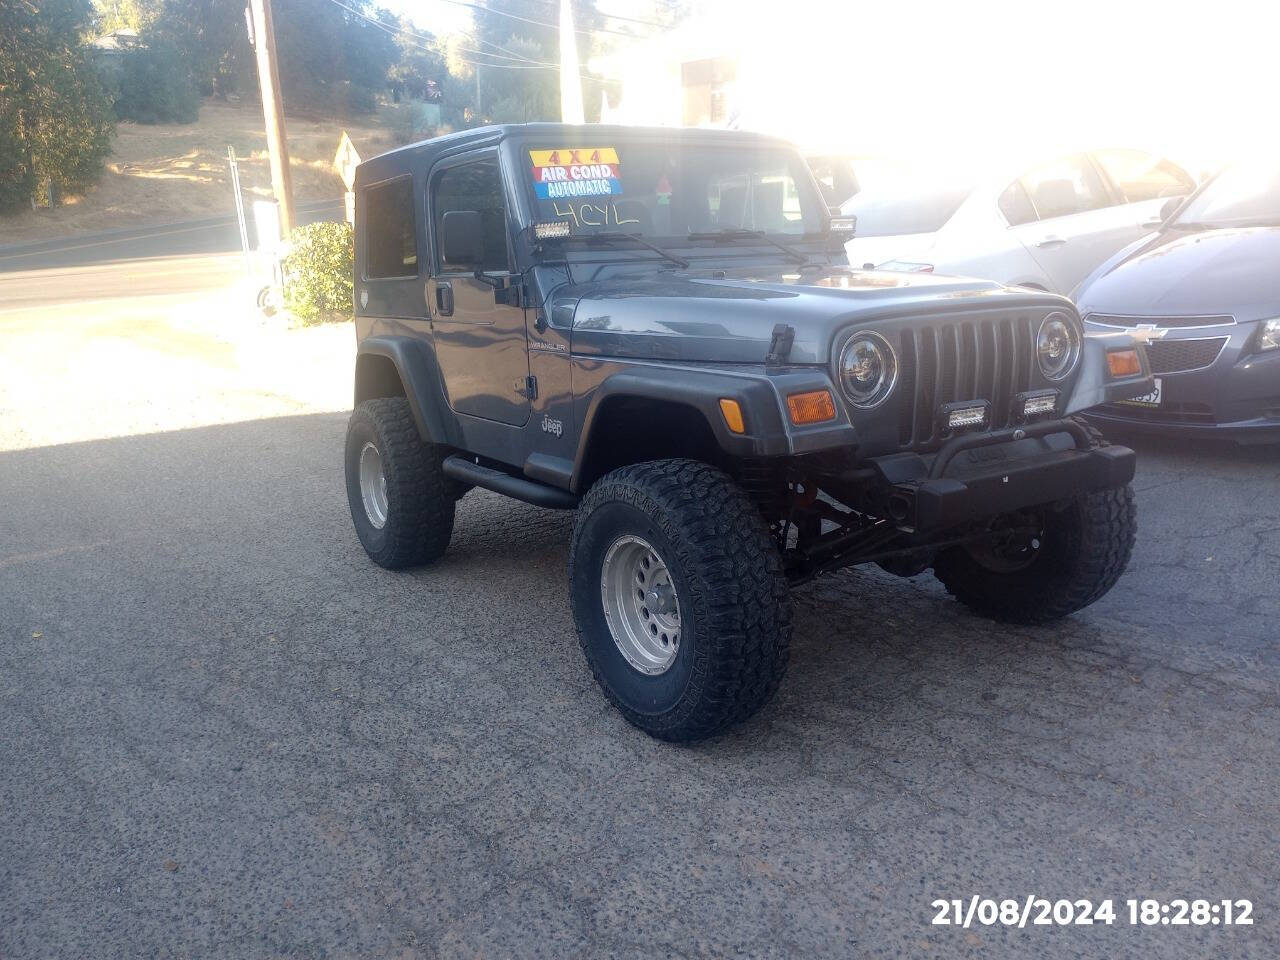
[580, 172]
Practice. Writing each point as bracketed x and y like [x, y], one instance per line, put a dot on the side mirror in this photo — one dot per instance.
[1168, 208]
[461, 239]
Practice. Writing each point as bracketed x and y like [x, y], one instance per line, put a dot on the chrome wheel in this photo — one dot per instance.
[373, 486]
[641, 606]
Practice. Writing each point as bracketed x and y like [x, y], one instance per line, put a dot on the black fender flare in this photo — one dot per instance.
[1094, 384]
[415, 363]
[761, 396]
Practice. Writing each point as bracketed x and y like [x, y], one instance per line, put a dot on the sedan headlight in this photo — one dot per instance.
[1057, 346]
[868, 370]
[1269, 335]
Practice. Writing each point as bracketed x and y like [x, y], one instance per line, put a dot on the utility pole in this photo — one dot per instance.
[570, 80]
[263, 38]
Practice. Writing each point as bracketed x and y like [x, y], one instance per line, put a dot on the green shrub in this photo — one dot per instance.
[156, 86]
[318, 272]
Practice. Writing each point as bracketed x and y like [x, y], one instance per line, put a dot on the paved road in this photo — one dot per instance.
[189, 238]
[227, 734]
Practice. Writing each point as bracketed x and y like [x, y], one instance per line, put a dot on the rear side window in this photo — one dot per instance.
[1142, 176]
[1066, 186]
[391, 236]
[477, 186]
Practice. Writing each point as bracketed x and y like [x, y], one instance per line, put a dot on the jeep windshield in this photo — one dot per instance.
[674, 191]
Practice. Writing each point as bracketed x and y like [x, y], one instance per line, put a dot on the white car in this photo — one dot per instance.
[1047, 226]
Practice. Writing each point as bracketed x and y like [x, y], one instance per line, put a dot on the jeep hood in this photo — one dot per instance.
[729, 315]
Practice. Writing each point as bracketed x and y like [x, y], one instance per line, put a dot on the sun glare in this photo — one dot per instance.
[956, 83]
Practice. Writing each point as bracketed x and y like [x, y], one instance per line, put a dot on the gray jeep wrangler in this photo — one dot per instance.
[659, 328]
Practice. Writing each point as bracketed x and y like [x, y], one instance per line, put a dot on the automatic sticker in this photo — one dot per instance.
[581, 172]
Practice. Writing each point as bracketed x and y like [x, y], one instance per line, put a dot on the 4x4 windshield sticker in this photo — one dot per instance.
[577, 172]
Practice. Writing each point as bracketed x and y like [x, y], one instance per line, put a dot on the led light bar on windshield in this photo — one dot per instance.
[843, 224]
[551, 230]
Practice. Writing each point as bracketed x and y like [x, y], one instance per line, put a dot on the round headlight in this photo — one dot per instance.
[868, 370]
[1057, 346]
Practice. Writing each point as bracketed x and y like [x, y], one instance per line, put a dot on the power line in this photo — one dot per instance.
[405, 35]
[618, 16]
[399, 30]
[519, 62]
[536, 23]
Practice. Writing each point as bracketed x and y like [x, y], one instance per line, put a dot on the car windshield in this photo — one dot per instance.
[905, 210]
[672, 188]
[1244, 193]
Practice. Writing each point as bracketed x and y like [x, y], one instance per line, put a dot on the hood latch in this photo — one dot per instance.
[780, 345]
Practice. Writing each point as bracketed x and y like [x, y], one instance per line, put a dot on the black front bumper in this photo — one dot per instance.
[986, 474]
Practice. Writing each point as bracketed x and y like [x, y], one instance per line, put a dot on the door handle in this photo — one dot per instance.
[1052, 240]
[444, 298]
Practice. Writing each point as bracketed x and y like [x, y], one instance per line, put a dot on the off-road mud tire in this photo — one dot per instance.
[420, 498]
[1087, 545]
[735, 607]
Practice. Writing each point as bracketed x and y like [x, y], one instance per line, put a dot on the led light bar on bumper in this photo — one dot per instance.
[965, 414]
[1035, 403]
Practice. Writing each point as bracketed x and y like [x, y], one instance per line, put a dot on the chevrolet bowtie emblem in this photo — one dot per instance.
[1145, 332]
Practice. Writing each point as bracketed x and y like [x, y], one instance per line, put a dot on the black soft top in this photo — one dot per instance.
[415, 156]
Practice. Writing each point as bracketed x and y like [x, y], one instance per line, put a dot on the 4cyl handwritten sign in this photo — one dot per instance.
[581, 172]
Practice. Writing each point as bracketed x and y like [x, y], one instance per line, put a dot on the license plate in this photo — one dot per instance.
[1151, 399]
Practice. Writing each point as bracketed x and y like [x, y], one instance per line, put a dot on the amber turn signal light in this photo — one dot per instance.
[1124, 363]
[813, 407]
[732, 415]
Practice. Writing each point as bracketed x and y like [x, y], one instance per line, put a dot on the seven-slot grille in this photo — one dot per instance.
[1177, 356]
[982, 359]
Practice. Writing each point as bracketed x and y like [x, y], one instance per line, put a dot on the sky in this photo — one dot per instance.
[1192, 80]
[435, 16]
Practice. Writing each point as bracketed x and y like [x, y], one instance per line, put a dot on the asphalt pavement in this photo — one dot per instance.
[228, 734]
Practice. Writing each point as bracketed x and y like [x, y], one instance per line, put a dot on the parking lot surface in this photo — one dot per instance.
[228, 734]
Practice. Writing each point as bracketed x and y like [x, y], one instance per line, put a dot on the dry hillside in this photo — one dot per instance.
[161, 174]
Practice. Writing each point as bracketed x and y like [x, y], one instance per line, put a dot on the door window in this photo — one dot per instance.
[1139, 175]
[1066, 186]
[391, 244]
[476, 185]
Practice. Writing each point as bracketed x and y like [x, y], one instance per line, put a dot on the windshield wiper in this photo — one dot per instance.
[736, 233]
[612, 237]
